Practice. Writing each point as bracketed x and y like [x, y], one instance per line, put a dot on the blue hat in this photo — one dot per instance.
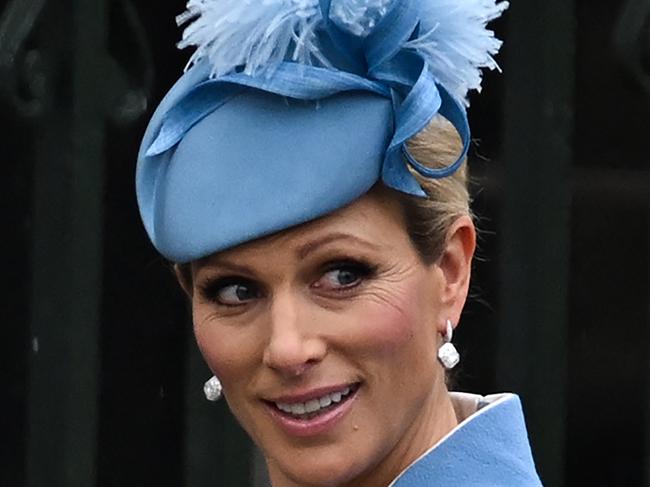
[292, 109]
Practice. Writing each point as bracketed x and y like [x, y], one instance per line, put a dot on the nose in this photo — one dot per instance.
[293, 345]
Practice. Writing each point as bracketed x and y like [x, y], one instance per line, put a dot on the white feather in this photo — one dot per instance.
[257, 35]
[456, 42]
[253, 34]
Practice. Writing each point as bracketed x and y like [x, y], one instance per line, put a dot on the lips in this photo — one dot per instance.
[315, 412]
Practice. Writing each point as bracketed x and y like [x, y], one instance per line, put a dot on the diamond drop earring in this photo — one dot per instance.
[447, 353]
[212, 389]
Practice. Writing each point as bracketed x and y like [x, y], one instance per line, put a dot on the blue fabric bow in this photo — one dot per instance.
[387, 69]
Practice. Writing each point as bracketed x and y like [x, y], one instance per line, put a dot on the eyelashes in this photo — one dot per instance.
[334, 279]
[230, 290]
[344, 276]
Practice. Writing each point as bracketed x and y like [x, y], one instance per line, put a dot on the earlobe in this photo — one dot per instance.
[456, 265]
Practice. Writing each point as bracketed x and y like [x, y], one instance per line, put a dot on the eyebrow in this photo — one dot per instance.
[311, 246]
[301, 252]
[225, 265]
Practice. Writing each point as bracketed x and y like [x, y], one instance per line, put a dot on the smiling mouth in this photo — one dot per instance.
[316, 407]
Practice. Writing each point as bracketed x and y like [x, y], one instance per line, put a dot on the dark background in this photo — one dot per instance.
[100, 381]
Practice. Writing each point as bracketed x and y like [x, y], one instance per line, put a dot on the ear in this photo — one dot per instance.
[184, 278]
[456, 268]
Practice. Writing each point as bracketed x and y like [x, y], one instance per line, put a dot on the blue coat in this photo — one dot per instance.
[487, 449]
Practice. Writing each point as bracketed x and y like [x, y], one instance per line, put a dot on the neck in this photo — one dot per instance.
[438, 418]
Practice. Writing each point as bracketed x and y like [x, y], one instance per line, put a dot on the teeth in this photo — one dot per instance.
[313, 405]
[283, 407]
[298, 408]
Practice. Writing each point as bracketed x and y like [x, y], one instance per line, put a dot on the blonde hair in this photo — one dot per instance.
[428, 219]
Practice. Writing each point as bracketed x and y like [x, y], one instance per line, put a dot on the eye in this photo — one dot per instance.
[231, 291]
[342, 276]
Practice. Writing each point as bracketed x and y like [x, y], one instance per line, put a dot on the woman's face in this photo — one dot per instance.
[325, 339]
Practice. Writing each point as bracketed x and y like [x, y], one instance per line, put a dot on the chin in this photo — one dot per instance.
[319, 468]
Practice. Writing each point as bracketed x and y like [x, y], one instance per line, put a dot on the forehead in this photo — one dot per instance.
[374, 220]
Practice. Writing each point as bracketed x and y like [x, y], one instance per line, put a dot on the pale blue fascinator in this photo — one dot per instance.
[292, 109]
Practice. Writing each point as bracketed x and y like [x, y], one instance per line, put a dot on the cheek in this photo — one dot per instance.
[395, 323]
[226, 349]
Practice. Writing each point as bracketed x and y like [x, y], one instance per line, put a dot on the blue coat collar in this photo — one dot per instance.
[488, 449]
